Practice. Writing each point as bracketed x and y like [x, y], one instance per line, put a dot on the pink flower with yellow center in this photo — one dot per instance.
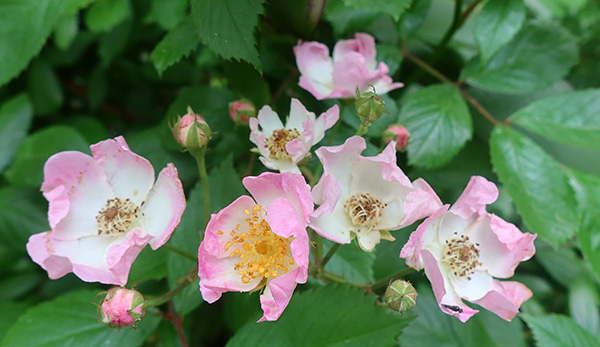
[464, 248]
[282, 147]
[366, 197]
[353, 66]
[103, 210]
[259, 243]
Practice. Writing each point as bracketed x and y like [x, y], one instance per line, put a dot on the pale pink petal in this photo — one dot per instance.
[505, 299]
[472, 287]
[280, 165]
[315, 67]
[298, 116]
[269, 120]
[382, 83]
[40, 248]
[298, 150]
[129, 175]
[335, 226]
[325, 121]
[364, 44]
[367, 239]
[73, 208]
[478, 193]
[367, 176]
[269, 186]
[164, 206]
[277, 295]
[350, 72]
[338, 160]
[420, 203]
[120, 257]
[413, 247]
[390, 170]
[326, 194]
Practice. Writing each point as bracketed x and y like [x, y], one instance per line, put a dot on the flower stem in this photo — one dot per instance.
[199, 156]
[180, 251]
[364, 127]
[184, 282]
[328, 256]
[386, 280]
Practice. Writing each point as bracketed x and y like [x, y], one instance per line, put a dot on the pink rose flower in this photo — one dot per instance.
[397, 133]
[365, 197]
[463, 248]
[281, 148]
[103, 210]
[353, 65]
[259, 242]
[241, 111]
[122, 307]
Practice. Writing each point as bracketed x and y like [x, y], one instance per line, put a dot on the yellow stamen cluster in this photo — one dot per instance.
[278, 140]
[364, 209]
[262, 253]
[462, 256]
[118, 216]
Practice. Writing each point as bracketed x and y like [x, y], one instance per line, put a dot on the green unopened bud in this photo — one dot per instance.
[369, 106]
[191, 132]
[400, 296]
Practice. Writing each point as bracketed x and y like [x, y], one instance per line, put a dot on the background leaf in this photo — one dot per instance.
[105, 14]
[15, 119]
[393, 8]
[177, 44]
[314, 318]
[536, 184]
[227, 27]
[72, 320]
[351, 262]
[496, 25]
[570, 118]
[539, 55]
[439, 123]
[22, 215]
[560, 331]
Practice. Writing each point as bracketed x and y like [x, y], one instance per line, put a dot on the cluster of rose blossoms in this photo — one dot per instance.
[105, 208]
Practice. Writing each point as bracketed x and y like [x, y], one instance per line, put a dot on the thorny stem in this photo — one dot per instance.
[183, 282]
[445, 79]
[199, 156]
[317, 250]
[180, 251]
[177, 322]
[386, 280]
[328, 256]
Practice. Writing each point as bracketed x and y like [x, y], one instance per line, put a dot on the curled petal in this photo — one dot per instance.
[505, 299]
[277, 295]
[478, 193]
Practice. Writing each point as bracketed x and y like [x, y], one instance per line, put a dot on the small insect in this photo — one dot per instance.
[453, 308]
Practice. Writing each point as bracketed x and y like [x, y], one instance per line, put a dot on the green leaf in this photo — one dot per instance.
[18, 285]
[316, 318]
[44, 88]
[583, 305]
[15, 119]
[40, 17]
[351, 262]
[22, 215]
[27, 169]
[167, 13]
[536, 184]
[105, 14]
[10, 312]
[570, 118]
[562, 264]
[247, 82]
[149, 264]
[346, 20]
[112, 43]
[439, 123]
[434, 328]
[227, 27]
[539, 55]
[587, 191]
[496, 25]
[97, 86]
[560, 331]
[393, 8]
[392, 56]
[73, 321]
[65, 31]
[177, 44]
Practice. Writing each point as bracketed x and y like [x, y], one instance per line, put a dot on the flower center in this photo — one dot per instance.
[278, 140]
[364, 209]
[118, 216]
[263, 254]
[462, 256]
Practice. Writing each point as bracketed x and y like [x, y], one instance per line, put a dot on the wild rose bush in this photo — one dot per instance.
[299, 173]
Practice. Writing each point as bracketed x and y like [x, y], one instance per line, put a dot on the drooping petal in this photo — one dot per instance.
[298, 150]
[335, 226]
[505, 299]
[120, 257]
[338, 160]
[39, 248]
[325, 121]
[367, 238]
[413, 247]
[420, 203]
[164, 206]
[478, 193]
[129, 175]
[76, 189]
[315, 67]
[277, 295]
[269, 186]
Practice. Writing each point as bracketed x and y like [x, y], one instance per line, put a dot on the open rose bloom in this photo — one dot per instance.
[353, 66]
[365, 197]
[282, 147]
[464, 248]
[103, 210]
[259, 243]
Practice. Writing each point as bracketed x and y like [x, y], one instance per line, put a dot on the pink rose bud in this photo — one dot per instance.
[241, 111]
[397, 133]
[191, 131]
[122, 307]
